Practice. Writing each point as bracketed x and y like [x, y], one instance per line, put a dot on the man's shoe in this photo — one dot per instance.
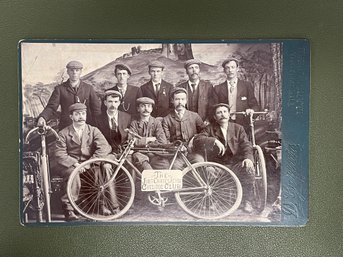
[248, 207]
[70, 216]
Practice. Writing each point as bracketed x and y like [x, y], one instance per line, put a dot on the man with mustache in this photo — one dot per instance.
[77, 143]
[238, 94]
[113, 122]
[72, 91]
[151, 131]
[158, 90]
[228, 144]
[199, 91]
[129, 93]
[182, 124]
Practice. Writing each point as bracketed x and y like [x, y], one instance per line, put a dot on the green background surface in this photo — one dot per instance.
[319, 21]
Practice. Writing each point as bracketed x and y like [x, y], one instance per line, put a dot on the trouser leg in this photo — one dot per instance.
[75, 189]
[246, 177]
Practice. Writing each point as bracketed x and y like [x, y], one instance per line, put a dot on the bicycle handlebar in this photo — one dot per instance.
[132, 133]
[245, 113]
[41, 131]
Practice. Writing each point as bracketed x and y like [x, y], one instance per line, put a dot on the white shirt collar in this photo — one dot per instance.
[234, 81]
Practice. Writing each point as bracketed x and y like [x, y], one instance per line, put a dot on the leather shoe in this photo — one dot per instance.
[70, 216]
[248, 207]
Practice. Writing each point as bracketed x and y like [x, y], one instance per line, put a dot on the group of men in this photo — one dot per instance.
[194, 112]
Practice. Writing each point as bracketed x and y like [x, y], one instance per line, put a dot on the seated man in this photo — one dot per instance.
[112, 122]
[181, 124]
[151, 131]
[228, 144]
[78, 142]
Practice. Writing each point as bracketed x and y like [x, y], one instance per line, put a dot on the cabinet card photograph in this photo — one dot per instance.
[164, 132]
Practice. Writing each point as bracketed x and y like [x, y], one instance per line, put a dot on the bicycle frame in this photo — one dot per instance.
[123, 159]
[44, 164]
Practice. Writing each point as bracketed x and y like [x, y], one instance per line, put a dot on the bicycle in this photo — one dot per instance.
[37, 176]
[261, 183]
[204, 190]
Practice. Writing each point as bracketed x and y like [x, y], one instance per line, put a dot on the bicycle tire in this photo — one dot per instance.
[221, 197]
[93, 197]
[261, 184]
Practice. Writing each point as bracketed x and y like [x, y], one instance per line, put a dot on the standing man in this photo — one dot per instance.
[199, 91]
[151, 131]
[72, 91]
[129, 93]
[78, 142]
[181, 124]
[228, 144]
[113, 122]
[238, 94]
[158, 90]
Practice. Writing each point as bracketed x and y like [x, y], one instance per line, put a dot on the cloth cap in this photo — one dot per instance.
[219, 105]
[114, 93]
[74, 65]
[122, 66]
[178, 90]
[156, 64]
[77, 107]
[229, 60]
[190, 62]
[145, 100]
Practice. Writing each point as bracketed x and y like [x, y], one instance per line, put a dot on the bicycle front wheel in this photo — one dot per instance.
[95, 195]
[260, 185]
[210, 191]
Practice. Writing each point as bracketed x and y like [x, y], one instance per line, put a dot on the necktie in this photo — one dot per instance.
[179, 114]
[157, 88]
[232, 87]
[193, 86]
[114, 124]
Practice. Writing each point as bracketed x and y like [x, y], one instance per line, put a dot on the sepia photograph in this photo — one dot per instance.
[151, 132]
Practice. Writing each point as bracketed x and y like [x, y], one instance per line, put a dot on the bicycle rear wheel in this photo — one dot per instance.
[98, 198]
[210, 191]
[260, 185]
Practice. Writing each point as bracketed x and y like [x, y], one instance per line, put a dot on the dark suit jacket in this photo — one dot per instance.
[205, 97]
[70, 150]
[162, 100]
[124, 120]
[187, 127]
[65, 96]
[245, 99]
[238, 144]
[128, 103]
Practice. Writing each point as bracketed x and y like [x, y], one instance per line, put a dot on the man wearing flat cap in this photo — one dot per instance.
[77, 143]
[158, 89]
[130, 93]
[113, 122]
[238, 94]
[72, 91]
[151, 131]
[227, 143]
[199, 91]
[182, 124]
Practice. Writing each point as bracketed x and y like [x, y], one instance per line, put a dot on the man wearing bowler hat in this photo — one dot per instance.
[199, 91]
[77, 143]
[238, 94]
[113, 122]
[129, 93]
[158, 89]
[227, 143]
[151, 131]
[72, 91]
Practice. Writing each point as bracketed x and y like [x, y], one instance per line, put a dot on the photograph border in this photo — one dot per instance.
[295, 131]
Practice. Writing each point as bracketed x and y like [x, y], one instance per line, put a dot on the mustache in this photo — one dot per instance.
[81, 120]
[179, 105]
